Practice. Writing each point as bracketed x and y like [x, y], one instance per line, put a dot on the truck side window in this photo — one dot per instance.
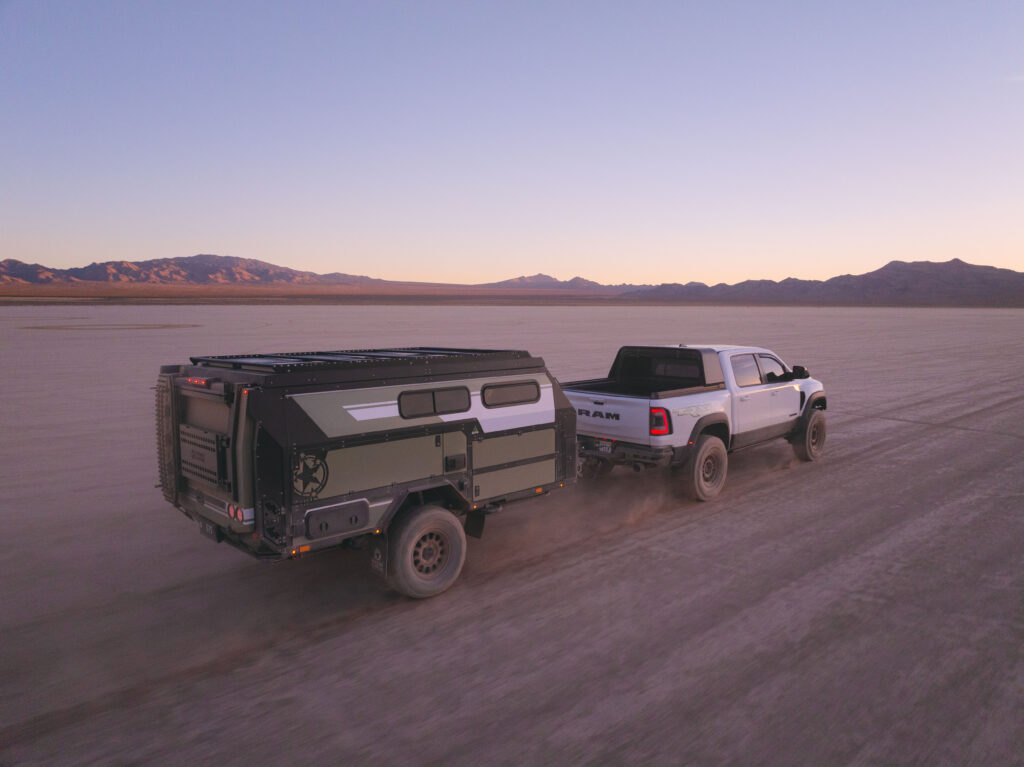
[416, 404]
[451, 400]
[503, 395]
[771, 367]
[745, 371]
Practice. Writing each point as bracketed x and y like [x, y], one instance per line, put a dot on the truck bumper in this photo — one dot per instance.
[628, 453]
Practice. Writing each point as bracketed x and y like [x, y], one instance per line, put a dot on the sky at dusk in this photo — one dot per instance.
[640, 142]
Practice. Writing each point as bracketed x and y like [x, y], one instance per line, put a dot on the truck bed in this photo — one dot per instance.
[643, 388]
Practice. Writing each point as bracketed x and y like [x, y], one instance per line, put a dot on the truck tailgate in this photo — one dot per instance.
[612, 416]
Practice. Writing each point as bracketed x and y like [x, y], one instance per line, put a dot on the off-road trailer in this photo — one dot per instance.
[403, 449]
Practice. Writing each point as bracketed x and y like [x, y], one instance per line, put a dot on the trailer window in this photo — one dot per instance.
[451, 400]
[504, 395]
[420, 404]
[416, 404]
[744, 370]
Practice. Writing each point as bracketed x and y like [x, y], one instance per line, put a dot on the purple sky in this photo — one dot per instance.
[468, 142]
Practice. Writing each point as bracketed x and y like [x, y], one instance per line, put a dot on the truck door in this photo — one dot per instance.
[752, 401]
[785, 395]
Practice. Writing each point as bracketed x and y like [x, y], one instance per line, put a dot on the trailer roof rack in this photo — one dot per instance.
[354, 358]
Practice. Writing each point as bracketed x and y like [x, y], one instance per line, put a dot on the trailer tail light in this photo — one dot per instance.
[197, 381]
[661, 424]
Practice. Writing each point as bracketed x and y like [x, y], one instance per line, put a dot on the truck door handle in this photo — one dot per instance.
[744, 398]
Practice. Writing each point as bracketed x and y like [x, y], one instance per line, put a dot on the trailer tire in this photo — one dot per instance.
[705, 474]
[809, 442]
[428, 549]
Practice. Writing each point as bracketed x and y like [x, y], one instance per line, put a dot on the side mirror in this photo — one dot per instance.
[799, 371]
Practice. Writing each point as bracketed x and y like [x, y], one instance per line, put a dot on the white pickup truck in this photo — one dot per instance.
[688, 406]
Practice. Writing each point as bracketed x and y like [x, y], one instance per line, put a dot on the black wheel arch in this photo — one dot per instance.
[817, 401]
[445, 495]
[715, 424]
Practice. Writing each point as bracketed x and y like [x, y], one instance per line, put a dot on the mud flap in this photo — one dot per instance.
[475, 524]
[379, 556]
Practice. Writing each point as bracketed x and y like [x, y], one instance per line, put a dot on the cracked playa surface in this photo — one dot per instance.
[866, 609]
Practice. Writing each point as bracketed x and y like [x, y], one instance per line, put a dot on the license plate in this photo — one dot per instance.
[210, 530]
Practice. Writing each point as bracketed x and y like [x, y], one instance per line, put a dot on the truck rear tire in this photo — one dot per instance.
[705, 475]
[428, 549]
[594, 468]
[809, 443]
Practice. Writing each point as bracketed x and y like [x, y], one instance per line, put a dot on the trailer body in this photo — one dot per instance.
[285, 454]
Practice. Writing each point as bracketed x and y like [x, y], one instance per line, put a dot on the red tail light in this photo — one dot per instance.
[661, 424]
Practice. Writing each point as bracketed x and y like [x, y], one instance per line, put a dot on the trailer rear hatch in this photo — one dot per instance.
[201, 436]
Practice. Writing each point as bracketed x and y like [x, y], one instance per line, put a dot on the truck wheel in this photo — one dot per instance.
[594, 468]
[428, 548]
[705, 476]
[809, 443]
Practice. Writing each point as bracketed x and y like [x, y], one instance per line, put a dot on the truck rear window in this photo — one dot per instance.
[682, 367]
[503, 395]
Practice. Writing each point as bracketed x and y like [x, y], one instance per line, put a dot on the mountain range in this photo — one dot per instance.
[898, 283]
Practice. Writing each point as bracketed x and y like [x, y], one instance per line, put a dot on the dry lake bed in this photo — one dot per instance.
[867, 609]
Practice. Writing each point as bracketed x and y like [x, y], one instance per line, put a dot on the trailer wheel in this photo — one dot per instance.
[809, 443]
[428, 549]
[705, 476]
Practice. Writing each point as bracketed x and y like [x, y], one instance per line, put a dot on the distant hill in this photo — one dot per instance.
[899, 283]
[546, 282]
[192, 270]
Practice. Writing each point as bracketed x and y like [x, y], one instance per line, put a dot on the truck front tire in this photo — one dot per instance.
[428, 549]
[705, 475]
[809, 443]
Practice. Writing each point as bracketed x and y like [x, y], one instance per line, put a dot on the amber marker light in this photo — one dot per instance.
[303, 549]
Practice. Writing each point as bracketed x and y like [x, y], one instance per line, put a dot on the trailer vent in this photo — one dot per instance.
[203, 455]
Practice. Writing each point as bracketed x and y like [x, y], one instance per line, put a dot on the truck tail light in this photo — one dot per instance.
[661, 424]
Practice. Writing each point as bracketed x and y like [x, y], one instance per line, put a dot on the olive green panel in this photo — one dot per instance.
[382, 464]
[505, 481]
[207, 414]
[454, 443]
[515, 447]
